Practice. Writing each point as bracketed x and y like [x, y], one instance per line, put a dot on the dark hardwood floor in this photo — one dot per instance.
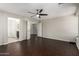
[39, 47]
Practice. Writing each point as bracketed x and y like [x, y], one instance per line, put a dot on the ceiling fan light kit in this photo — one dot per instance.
[38, 13]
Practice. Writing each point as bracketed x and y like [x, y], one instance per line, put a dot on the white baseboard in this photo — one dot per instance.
[57, 39]
[11, 42]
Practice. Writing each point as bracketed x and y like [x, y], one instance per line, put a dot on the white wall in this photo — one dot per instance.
[63, 28]
[39, 29]
[28, 30]
[77, 38]
[23, 29]
[3, 28]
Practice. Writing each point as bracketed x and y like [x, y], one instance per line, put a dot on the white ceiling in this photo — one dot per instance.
[52, 9]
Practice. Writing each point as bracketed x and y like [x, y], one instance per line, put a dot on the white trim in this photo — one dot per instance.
[11, 42]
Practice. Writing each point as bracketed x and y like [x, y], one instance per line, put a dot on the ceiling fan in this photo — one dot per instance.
[38, 13]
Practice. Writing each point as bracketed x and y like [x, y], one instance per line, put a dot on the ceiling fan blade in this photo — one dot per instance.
[43, 14]
[60, 3]
[33, 15]
[31, 12]
[40, 10]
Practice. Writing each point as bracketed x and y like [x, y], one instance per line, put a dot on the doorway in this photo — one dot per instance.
[33, 30]
[13, 29]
